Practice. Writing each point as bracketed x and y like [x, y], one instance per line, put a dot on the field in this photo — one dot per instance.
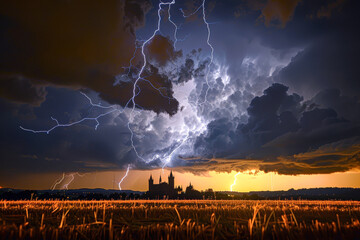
[180, 219]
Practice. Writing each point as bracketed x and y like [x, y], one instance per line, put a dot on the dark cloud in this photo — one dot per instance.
[330, 62]
[347, 107]
[339, 156]
[77, 44]
[154, 92]
[193, 67]
[310, 127]
[270, 115]
[329, 46]
[278, 131]
[186, 71]
[161, 49]
[327, 10]
[275, 11]
[21, 90]
[76, 148]
[280, 12]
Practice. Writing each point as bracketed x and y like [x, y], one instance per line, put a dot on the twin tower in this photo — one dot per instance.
[163, 188]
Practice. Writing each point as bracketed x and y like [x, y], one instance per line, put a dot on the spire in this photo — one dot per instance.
[171, 174]
[151, 177]
[160, 179]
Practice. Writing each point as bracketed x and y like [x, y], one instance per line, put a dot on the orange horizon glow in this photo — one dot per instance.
[245, 181]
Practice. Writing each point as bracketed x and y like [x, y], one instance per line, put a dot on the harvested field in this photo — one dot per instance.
[180, 219]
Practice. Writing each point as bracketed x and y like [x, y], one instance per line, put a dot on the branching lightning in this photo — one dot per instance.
[139, 77]
[202, 6]
[235, 178]
[112, 108]
[115, 109]
[66, 185]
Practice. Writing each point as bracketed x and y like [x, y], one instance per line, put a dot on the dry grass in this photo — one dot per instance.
[179, 219]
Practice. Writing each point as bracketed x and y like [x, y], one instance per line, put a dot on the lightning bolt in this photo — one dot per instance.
[212, 51]
[235, 178]
[123, 178]
[114, 109]
[57, 182]
[202, 6]
[66, 185]
[142, 70]
[173, 23]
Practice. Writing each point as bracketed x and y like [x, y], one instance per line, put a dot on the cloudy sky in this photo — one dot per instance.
[268, 88]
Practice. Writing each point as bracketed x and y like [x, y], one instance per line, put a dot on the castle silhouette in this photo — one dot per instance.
[163, 189]
[168, 190]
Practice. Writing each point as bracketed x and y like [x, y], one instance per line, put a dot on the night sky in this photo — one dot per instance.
[277, 96]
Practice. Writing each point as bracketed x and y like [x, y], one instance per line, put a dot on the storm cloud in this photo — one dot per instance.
[281, 94]
[281, 127]
[78, 44]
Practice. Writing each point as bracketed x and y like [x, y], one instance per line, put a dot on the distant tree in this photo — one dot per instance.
[209, 194]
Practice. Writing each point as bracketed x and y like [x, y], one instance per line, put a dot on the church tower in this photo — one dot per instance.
[171, 181]
[151, 183]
